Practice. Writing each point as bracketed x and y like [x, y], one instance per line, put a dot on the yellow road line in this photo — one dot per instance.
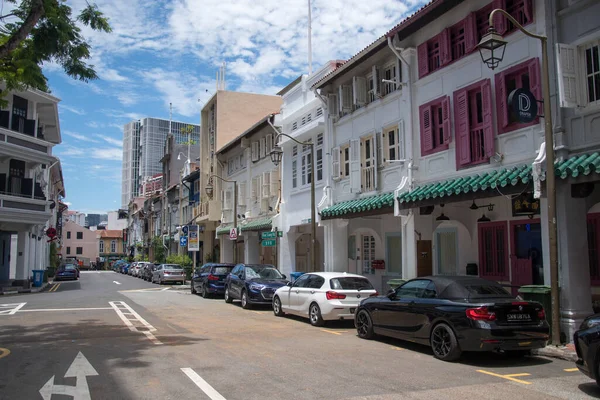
[53, 288]
[508, 377]
[571, 369]
[332, 332]
[4, 352]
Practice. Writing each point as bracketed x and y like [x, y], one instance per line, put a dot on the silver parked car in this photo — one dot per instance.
[168, 273]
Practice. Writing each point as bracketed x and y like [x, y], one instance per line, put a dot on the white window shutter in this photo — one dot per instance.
[242, 194]
[377, 81]
[254, 189]
[359, 90]
[381, 159]
[333, 105]
[228, 203]
[262, 147]
[567, 75]
[347, 98]
[269, 146]
[375, 158]
[355, 178]
[266, 185]
[401, 150]
[275, 184]
[222, 200]
[254, 151]
[335, 157]
[398, 73]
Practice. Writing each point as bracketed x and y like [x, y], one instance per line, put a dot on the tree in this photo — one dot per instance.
[40, 31]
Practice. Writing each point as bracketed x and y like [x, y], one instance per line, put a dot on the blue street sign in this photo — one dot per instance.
[183, 241]
[184, 229]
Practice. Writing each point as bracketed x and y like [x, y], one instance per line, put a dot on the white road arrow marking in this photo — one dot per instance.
[118, 283]
[80, 369]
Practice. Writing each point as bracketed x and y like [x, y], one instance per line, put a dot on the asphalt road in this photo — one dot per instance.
[110, 336]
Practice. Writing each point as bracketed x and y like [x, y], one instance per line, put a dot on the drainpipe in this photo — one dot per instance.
[320, 97]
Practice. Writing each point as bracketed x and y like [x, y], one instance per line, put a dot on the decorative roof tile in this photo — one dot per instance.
[359, 205]
[258, 224]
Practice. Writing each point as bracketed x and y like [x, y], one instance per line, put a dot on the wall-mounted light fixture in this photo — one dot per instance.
[474, 206]
[442, 217]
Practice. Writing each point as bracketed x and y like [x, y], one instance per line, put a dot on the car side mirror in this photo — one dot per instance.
[391, 294]
[284, 277]
[289, 284]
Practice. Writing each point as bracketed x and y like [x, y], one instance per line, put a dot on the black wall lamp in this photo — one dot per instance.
[474, 206]
[442, 217]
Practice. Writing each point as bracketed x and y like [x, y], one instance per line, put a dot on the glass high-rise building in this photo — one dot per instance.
[143, 148]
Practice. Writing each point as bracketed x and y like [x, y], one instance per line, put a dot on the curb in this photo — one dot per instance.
[23, 291]
[563, 353]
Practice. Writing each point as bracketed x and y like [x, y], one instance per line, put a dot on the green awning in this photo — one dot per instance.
[370, 203]
[575, 166]
[224, 229]
[259, 224]
[469, 184]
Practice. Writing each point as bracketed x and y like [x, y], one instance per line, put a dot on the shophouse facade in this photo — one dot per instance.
[79, 242]
[446, 157]
[246, 161]
[224, 116]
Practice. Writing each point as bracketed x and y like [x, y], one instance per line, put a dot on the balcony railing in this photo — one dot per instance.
[18, 124]
[368, 178]
[201, 210]
[477, 145]
[20, 187]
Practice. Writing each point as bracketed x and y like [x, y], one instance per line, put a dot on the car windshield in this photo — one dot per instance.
[70, 267]
[170, 267]
[264, 272]
[350, 283]
[222, 270]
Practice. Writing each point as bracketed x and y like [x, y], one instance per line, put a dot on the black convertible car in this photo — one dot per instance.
[587, 344]
[453, 314]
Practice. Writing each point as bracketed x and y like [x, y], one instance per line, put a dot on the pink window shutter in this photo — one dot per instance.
[461, 123]
[446, 119]
[499, 19]
[422, 59]
[444, 39]
[501, 101]
[529, 10]
[502, 231]
[426, 129]
[470, 33]
[488, 125]
[534, 78]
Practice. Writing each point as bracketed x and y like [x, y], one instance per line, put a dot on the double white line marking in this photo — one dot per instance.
[134, 321]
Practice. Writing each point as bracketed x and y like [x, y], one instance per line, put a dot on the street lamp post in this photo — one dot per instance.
[491, 48]
[276, 155]
[209, 192]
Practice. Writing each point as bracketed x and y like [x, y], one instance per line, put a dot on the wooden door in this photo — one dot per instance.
[424, 258]
[525, 236]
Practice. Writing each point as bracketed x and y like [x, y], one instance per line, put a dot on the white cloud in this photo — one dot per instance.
[93, 124]
[74, 110]
[98, 153]
[79, 136]
[107, 154]
[111, 140]
[68, 203]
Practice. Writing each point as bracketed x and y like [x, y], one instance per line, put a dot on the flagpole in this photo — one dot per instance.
[309, 39]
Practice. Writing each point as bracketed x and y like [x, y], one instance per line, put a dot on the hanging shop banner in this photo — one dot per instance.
[193, 238]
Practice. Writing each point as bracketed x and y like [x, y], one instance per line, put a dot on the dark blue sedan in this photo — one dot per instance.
[66, 272]
[253, 284]
[210, 279]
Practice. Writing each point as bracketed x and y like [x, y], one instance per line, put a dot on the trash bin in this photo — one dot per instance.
[38, 277]
[541, 294]
[296, 275]
[394, 283]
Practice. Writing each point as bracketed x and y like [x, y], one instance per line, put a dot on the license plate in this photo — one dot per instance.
[352, 310]
[518, 317]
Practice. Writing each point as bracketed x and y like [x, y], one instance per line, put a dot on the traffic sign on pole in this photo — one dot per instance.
[183, 241]
[269, 243]
[233, 234]
[268, 235]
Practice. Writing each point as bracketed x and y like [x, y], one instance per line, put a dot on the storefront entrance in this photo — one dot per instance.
[526, 255]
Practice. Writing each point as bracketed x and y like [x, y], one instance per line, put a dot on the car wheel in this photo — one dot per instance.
[228, 298]
[193, 288]
[277, 307]
[204, 292]
[245, 303]
[314, 315]
[364, 325]
[444, 344]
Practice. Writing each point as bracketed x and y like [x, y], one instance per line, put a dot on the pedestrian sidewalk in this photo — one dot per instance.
[566, 352]
[5, 291]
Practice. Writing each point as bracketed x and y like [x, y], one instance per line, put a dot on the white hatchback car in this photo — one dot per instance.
[323, 296]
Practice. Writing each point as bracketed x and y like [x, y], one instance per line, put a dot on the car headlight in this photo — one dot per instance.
[590, 323]
[254, 286]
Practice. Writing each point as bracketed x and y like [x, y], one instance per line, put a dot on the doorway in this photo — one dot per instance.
[447, 251]
[393, 247]
[526, 253]
[5, 241]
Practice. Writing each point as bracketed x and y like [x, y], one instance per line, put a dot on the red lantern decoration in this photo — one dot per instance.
[51, 233]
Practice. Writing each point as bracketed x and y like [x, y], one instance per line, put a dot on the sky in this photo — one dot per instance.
[168, 51]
